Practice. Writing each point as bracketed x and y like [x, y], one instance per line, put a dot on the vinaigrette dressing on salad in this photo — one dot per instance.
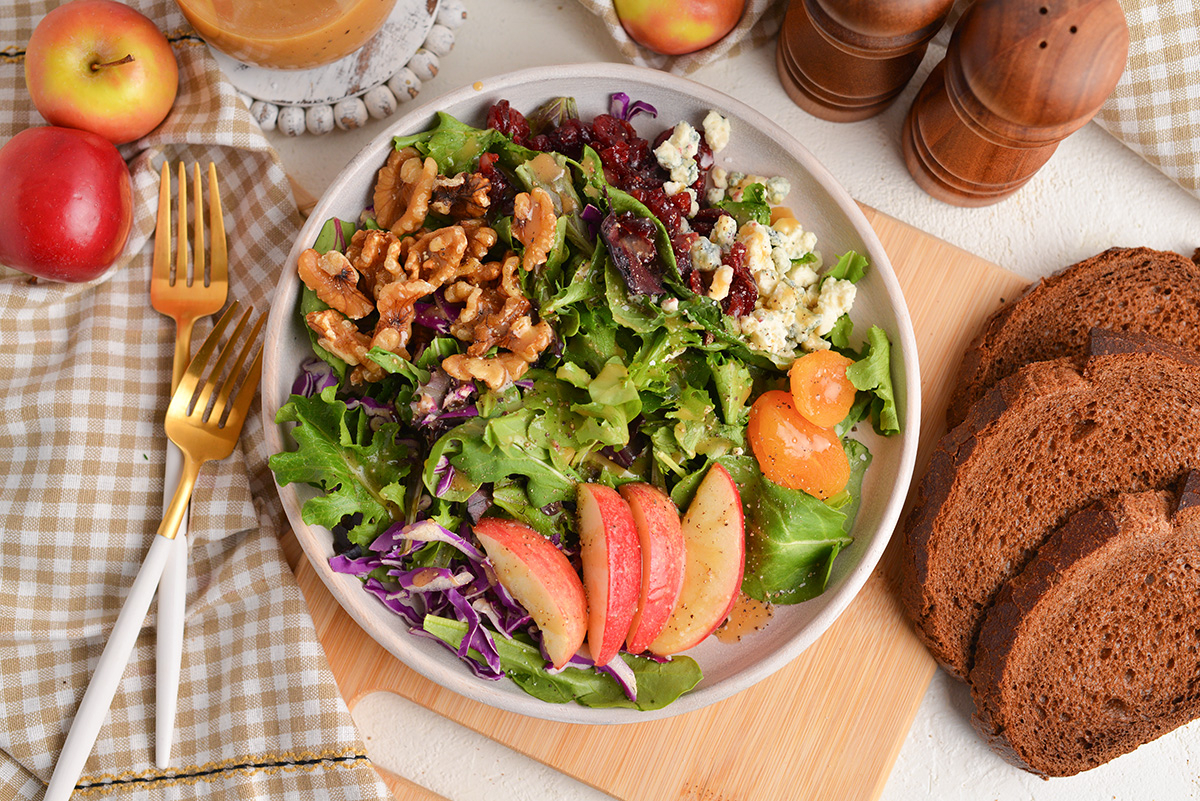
[543, 303]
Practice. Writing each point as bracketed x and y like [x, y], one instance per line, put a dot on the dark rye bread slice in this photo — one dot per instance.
[1038, 447]
[1094, 648]
[1127, 289]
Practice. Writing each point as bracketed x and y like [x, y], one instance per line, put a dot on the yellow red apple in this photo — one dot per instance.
[103, 67]
[66, 206]
[675, 27]
[663, 559]
[612, 567]
[542, 580]
[714, 536]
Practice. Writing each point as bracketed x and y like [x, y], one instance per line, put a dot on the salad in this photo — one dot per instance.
[546, 333]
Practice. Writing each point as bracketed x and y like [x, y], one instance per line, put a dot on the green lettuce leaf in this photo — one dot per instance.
[871, 373]
[455, 146]
[359, 471]
[753, 206]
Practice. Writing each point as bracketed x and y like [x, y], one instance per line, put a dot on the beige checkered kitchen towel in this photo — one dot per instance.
[758, 25]
[85, 371]
[1155, 109]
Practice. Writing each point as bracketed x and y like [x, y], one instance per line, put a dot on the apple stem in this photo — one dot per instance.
[127, 60]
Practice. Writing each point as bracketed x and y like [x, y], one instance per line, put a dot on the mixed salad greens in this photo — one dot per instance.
[649, 376]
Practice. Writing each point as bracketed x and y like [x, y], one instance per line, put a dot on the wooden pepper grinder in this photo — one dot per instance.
[846, 60]
[1019, 76]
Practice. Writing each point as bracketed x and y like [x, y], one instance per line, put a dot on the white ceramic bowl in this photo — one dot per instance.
[757, 146]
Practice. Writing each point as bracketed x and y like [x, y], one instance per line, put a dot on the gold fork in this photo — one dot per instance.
[205, 421]
[186, 300]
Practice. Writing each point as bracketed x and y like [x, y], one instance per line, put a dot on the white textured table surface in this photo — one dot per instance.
[1093, 194]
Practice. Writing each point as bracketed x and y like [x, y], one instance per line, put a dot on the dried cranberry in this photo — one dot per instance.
[609, 129]
[508, 121]
[631, 246]
[671, 210]
[500, 190]
[706, 219]
[570, 137]
[743, 292]
[681, 246]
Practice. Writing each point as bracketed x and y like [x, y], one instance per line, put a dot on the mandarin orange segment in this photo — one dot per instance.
[793, 452]
[820, 390]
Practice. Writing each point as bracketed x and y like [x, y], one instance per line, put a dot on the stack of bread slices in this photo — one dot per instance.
[1052, 558]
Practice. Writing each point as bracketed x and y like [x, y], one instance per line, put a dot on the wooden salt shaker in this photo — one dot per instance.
[1019, 76]
[846, 60]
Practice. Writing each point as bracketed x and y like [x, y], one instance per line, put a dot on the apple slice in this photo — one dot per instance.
[542, 580]
[714, 535]
[612, 567]
[657, 523]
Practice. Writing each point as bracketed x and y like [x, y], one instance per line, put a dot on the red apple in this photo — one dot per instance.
[675, 27]
[714, 536]
[542, 580]
[612, 567]
[103, 67]
[67, 204]
[663, 561]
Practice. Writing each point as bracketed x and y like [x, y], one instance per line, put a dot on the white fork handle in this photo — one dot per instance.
[97, 699]
[172, 600]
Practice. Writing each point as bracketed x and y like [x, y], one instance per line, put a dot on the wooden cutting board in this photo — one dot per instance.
[828, 725]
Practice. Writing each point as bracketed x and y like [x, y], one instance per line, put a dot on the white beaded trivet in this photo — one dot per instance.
[369, 83]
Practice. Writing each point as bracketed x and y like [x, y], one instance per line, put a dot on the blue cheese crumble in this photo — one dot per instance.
[677, 155]
[796, 307]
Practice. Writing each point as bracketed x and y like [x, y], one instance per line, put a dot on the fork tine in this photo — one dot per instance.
[181, 233]
[216, 229]
[162, 229]
[191, 376]
[232, 375]
[206, 391]
[197, 229]
[241, 404]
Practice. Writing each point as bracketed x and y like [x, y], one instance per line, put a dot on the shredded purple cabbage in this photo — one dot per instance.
[393, 601]
[402, 540]
[620, 670]
[315, 375]
[443, 398]
[479, 502]
[377, 413]
[339, 236]
[359, 566]
[617, 667]
[428, 316]
[620, 107]
[592, 216]
[443, 471]
[478, 638]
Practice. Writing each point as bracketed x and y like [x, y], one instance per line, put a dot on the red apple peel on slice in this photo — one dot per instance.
[612, 567]
[542, 580]
[714, 535]
[663, 559]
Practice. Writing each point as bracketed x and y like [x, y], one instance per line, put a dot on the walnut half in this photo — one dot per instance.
[533, 225]
[334, 279]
